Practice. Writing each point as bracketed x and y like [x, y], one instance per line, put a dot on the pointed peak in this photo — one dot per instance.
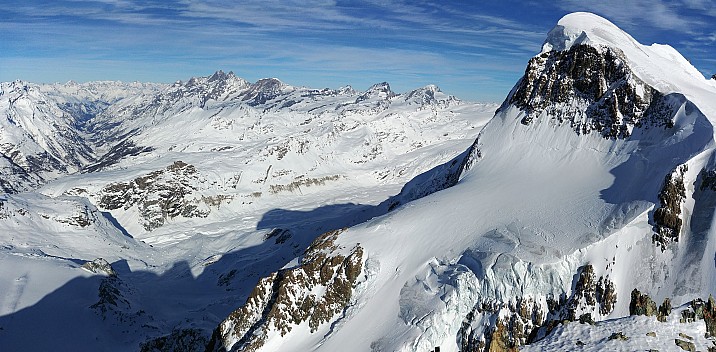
[217, 76]
[346, 90]
[380, 87]
[220, 75]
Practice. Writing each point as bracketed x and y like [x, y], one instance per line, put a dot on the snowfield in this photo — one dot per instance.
[190, 221]
[543, 199]
[266, 217]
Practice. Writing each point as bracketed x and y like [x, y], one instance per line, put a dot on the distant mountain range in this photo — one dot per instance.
[223, 215]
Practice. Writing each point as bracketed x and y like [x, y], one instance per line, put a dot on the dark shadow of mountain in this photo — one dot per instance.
[119, 313]
[308, 224]
[107, 215]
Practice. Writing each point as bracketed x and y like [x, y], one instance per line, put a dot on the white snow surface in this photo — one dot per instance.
[345, 152]
[540, 202]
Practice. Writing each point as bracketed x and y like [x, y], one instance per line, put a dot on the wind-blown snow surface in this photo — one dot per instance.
[545, 194]
[192, 192]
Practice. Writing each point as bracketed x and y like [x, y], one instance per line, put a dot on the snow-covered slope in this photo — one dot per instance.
[250, 145]
[296, 219]
[42, 133]
[194, 191]
[594, 178]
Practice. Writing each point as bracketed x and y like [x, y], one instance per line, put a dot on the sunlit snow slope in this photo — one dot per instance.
[594, 178]
[138, 214]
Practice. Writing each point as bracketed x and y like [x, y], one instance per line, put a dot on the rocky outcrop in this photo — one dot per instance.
[119, 151]
[314, 293]
[642, 304]
[263, 90]
[99, 266]
[280, 236]
[161, 195]
[438, 178]
[592, 90]
[700, 309]
[667, 218]
[526, 320]
[685, 345]
[513, 323]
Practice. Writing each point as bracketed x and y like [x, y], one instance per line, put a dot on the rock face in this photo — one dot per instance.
[160, 195]
[527, 319]
[702, 310]
[642, 304]
[313, 294]
[39, 137]
[100, 266]
[592, 90]
[667, 220]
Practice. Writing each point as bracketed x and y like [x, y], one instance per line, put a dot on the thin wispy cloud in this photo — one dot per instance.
[476, 50]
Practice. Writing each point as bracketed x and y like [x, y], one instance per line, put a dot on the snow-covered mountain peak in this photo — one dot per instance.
[585, 28]
[218, 78]
[658, 65]
[14, 86]
[381, 89]
[221, 75]
[264, 90]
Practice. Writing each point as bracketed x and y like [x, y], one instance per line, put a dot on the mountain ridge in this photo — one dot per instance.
[578, 215]
[546, 225]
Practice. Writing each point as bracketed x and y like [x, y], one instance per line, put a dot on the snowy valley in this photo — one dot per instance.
[219, 214]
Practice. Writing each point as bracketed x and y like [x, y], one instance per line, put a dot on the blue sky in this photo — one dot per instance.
[475, 50]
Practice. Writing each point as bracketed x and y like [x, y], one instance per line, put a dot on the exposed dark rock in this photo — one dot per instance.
[664, 310]
[161, 195]
[377, 90]
[685, 345]
[590, 89]
[280, 235]
[508, 332]
[618, 336]
[651, 334]
[687, 316]
[606, 295]
[500, 340]
[641, 304]
[262, 91]
[700, 310]
[225, 279]
[667, 220]
[305, 182]
[708, 179]
[525, 321]
[586, 318]
[710, 317]
[119, 151]
[285, 298]
[100, 266]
